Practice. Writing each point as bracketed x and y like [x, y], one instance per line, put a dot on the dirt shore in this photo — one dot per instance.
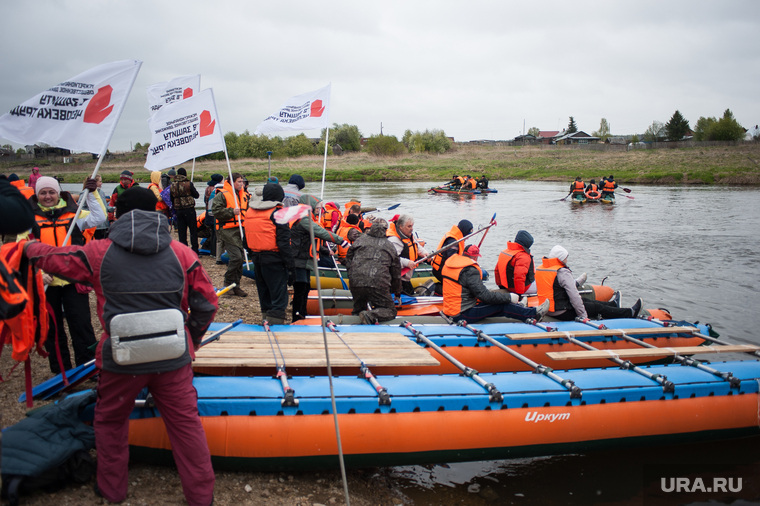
[152, 484]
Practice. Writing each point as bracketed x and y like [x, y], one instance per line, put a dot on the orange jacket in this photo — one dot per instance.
[29, 328]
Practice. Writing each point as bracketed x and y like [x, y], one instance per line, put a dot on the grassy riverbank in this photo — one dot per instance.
[720, 165]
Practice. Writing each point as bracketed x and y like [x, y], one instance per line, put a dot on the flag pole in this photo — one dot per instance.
[103, 150]
[324, 164]
[232, 182]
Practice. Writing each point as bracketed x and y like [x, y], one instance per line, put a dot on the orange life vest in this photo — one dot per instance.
[26, 191]
[30, 325]
[53, 230]
[330, 216]
[578, 187]
[438, 261]
[609, 186]
[260, 230]
[471, 184]
[201, 220]
[410, 247]
[547, 285]
[229, 199]
[348, 206]
[343, 232]
[452, 290]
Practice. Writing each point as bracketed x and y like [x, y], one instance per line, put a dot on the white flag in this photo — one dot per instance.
[79, 114]
[303, 112]
[179, 88]
[184, 130]
[288, 214]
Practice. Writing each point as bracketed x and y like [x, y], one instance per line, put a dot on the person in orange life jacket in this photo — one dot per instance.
[210, 221]
[272, 253]
[465, 297]
[183, 195]
[375, 272]
[126, 181]
[226, 206]
[16, 214]
[26, 191]
[303, 253]
[577, 186]
[34, 176]
[54, 210]
[608, 187]
[458, 231]
[122, 271]
[556, 285]
[400, 234]
[470, 183]
[591, 187]
[515, 270]
[350, 231]
[331, 217]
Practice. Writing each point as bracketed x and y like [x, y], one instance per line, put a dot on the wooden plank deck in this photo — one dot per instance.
[604, 332]
[300, 349]
[651, 352]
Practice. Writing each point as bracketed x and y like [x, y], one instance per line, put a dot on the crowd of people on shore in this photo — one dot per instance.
[113, 246]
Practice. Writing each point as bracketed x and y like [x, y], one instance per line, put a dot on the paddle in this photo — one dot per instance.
[493, 220]
[565, 197]
[342, 282]
[56, 384]
[394, 206]
[450, 245]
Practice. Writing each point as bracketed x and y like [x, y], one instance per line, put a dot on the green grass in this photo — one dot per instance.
[721, 165]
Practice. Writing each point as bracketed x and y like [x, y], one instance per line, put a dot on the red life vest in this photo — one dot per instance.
[452, 290]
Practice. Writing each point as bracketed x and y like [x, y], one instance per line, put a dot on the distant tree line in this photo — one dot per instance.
[705, 129]
[342, 138]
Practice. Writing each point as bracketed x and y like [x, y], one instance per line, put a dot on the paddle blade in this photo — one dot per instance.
[394, 206]
[627, 190]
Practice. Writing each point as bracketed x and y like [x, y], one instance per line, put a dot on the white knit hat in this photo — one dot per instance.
[46, 182]
[559, 253]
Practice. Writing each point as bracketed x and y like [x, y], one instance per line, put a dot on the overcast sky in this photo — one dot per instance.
[475, 69]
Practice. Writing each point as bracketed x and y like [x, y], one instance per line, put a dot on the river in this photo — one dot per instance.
[691, 250]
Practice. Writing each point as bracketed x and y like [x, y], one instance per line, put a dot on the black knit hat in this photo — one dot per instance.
[181, 171]
[135, 198]
[465, 226]
[273, 192]
[215, 179]
[524, 239]
[297, 180]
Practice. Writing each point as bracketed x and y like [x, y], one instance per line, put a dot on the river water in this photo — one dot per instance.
[691, 250]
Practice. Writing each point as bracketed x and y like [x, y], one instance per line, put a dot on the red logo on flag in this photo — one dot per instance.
[187, 93]
[98, 109]
[317, 109]
[207, 126]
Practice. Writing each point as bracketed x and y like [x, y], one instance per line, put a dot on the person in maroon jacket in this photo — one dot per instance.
[164, 312]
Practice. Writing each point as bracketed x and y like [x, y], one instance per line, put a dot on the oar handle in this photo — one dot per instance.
[226, 289]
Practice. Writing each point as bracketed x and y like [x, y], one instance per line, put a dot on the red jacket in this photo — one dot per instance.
[515, 270]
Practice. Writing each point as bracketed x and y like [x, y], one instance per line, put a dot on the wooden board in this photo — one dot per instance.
[300, 349]
[650, 352]
[604, 332]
